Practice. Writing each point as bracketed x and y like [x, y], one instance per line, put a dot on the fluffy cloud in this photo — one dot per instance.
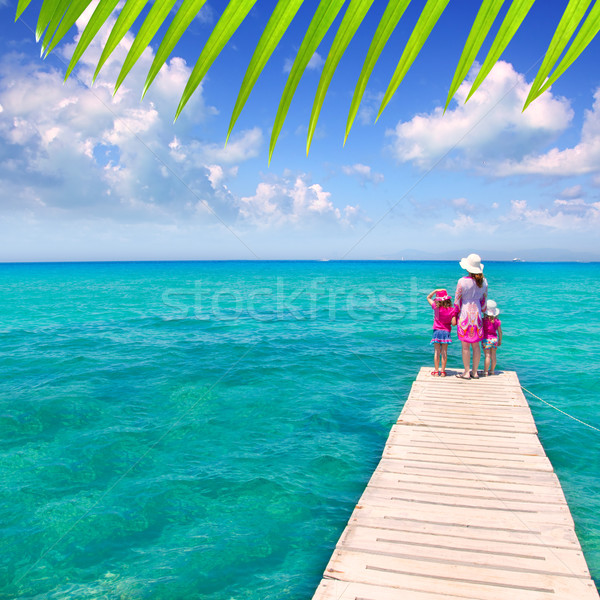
[364, 173]
[291, 200]
[573, 214]
[464, 223]
[69, 150]
[582, 159]
[490, 127]
[78, 153]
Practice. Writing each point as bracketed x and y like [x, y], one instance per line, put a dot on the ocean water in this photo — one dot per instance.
[204, 430]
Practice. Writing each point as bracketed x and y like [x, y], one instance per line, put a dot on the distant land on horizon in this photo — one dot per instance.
[409, 255]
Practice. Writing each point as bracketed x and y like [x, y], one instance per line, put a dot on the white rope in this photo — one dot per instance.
[561, 411]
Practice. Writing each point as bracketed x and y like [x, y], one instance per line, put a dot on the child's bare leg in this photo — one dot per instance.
[476, 358]
[487, 360]
[466, 357]
[493, 358]
[436, 357]
[444, 356]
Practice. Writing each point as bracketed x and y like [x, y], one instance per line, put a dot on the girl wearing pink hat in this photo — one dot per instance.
[444, 317]
[471, 299]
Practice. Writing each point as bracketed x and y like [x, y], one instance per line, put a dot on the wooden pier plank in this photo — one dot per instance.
[464, 503]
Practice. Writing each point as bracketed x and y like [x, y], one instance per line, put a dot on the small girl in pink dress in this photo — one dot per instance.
[444, 316]
[492, 336]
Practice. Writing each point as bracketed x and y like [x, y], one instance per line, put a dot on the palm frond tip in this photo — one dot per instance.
[57, 17]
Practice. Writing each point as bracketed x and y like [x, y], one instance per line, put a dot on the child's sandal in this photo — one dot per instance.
[435, 373]
[443, 374]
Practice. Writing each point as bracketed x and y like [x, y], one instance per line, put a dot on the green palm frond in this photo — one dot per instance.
[354, 16]
[56, 18]
[320, 24]
[280, 20]
[226, 26]
[570, 19]
[587, 33]
[514, 17]
[390, 19]
[483, 22]
[429, 17]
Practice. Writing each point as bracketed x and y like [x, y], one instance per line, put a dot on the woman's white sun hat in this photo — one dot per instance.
[492, 309]
[472, 264]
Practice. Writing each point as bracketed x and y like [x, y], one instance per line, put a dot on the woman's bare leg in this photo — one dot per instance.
[466, 357]
[476, 358]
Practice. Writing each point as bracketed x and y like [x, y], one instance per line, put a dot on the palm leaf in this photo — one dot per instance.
[21, 6]
[126, 18]
[483, 21]
[588, 31]
[429, 17]
[568, 23]
[390, 19]
[56, 18]
[514, 17]
[54, 21]
[227, 25]
[156, 17]
[73, 13]
[98, 18]
[321, 22]
[278, 24]
[185, 15]
[354, 16]
[47, 11]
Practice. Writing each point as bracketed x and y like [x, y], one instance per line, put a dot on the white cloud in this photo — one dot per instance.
[582, 159]
[575, 191]
[574, 214]
[316, 62]
[463, 224]
[364, 173]
[206, 15]
[294, 201]
[490, 127]
[90, 155]
[370, 103]
[461, 203]
[86, 155]
[240, 148]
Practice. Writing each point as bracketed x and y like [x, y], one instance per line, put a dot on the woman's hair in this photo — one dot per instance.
[478, 277]
[444, 303]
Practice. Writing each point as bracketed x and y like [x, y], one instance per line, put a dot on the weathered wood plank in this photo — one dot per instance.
[464, 550]
[451, 578]
[464, 503]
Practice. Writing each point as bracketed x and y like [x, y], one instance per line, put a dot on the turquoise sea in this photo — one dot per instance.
[204, 429]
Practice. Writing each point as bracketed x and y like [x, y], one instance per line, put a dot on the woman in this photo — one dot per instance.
[470, 300]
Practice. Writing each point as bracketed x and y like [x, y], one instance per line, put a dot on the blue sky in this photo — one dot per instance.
[86, 176]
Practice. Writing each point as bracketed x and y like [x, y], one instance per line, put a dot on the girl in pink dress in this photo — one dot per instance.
[470, 300]
[492, 337]
[444, 317]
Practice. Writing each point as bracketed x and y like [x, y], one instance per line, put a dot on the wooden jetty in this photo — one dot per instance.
[464, 504]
